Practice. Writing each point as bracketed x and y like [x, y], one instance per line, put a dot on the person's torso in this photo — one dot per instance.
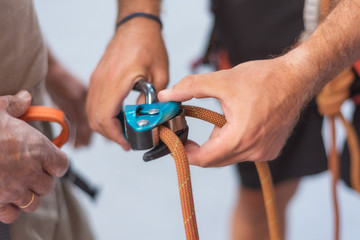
[23, 63]
[257, 29]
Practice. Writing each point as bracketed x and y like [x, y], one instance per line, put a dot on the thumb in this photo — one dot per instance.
[198, 86]
[18, 104]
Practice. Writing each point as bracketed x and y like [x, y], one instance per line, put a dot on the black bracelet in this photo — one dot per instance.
[139, 14]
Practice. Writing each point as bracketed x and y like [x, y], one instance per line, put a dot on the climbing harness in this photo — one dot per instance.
[154, 121]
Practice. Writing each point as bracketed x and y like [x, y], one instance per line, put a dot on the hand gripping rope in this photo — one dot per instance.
[182, 167]
[162, 127]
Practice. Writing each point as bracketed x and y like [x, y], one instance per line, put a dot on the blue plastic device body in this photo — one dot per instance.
[135, 113]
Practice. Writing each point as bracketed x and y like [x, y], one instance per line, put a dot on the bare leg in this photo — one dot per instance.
[249, 218]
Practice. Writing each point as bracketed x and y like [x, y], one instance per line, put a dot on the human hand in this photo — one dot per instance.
[28, 160]
[136, 51]
[261, 101]
[69, 94]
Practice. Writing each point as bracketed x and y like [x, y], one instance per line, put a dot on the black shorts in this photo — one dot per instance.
[250, 30]
[303, 154]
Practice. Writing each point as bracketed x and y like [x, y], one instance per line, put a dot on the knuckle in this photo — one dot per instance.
[204, 164]
[259, 155]
[61, 164]
[161, 82]
[57, 164]
[45, 187]
[93, 124]
[4, 101]
[189, 81]
[97, 121]
[255, 156]
[273, 155]
[33, 206]
[95, 75]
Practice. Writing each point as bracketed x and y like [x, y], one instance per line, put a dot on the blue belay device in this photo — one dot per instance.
[140, 122]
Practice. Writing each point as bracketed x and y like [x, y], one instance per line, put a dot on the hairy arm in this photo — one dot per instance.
[332, 47]
[262, 100]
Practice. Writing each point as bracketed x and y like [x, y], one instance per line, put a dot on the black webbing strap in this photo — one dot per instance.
[80, 182]
[4, 231]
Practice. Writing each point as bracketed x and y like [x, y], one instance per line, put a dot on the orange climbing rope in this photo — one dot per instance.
[183, 172]
[329, 101]
[182, 167]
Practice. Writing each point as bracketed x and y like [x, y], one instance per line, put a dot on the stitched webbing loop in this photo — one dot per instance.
[48, 114]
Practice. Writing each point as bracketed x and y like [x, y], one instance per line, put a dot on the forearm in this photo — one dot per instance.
[332, 47]
[126, 7]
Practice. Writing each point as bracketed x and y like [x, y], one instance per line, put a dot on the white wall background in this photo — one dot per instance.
[140, 200]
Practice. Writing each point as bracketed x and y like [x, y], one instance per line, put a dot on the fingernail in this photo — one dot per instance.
[165, 91]
[23, 95]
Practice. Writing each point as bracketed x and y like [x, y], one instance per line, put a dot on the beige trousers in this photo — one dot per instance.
[59, 217]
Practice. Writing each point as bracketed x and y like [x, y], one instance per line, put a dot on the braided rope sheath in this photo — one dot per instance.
[262, 168]
[333, 165]
[177, 150]
[329, 101]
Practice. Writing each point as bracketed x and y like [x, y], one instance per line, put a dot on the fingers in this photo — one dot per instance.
[16, 105]
[82, 128]
[83, 135]
[103, 105]
[214, 150]
[29, 202]
[114, 132]
[161, 80]
[8, 213]
[198, 86]
[54, 161]
[41, 183]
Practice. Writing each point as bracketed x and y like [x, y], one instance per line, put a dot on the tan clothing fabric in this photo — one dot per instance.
[60, 217]
[23, 52]
[23, 65]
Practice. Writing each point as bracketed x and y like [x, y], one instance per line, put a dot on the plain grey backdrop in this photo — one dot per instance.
[140, 200]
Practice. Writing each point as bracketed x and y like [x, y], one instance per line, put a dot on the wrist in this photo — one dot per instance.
[126, 8]
[143, 15]
[307, 74]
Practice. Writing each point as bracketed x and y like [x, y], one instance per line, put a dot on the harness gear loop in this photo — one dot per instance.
[48, 114]
[182, 167]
